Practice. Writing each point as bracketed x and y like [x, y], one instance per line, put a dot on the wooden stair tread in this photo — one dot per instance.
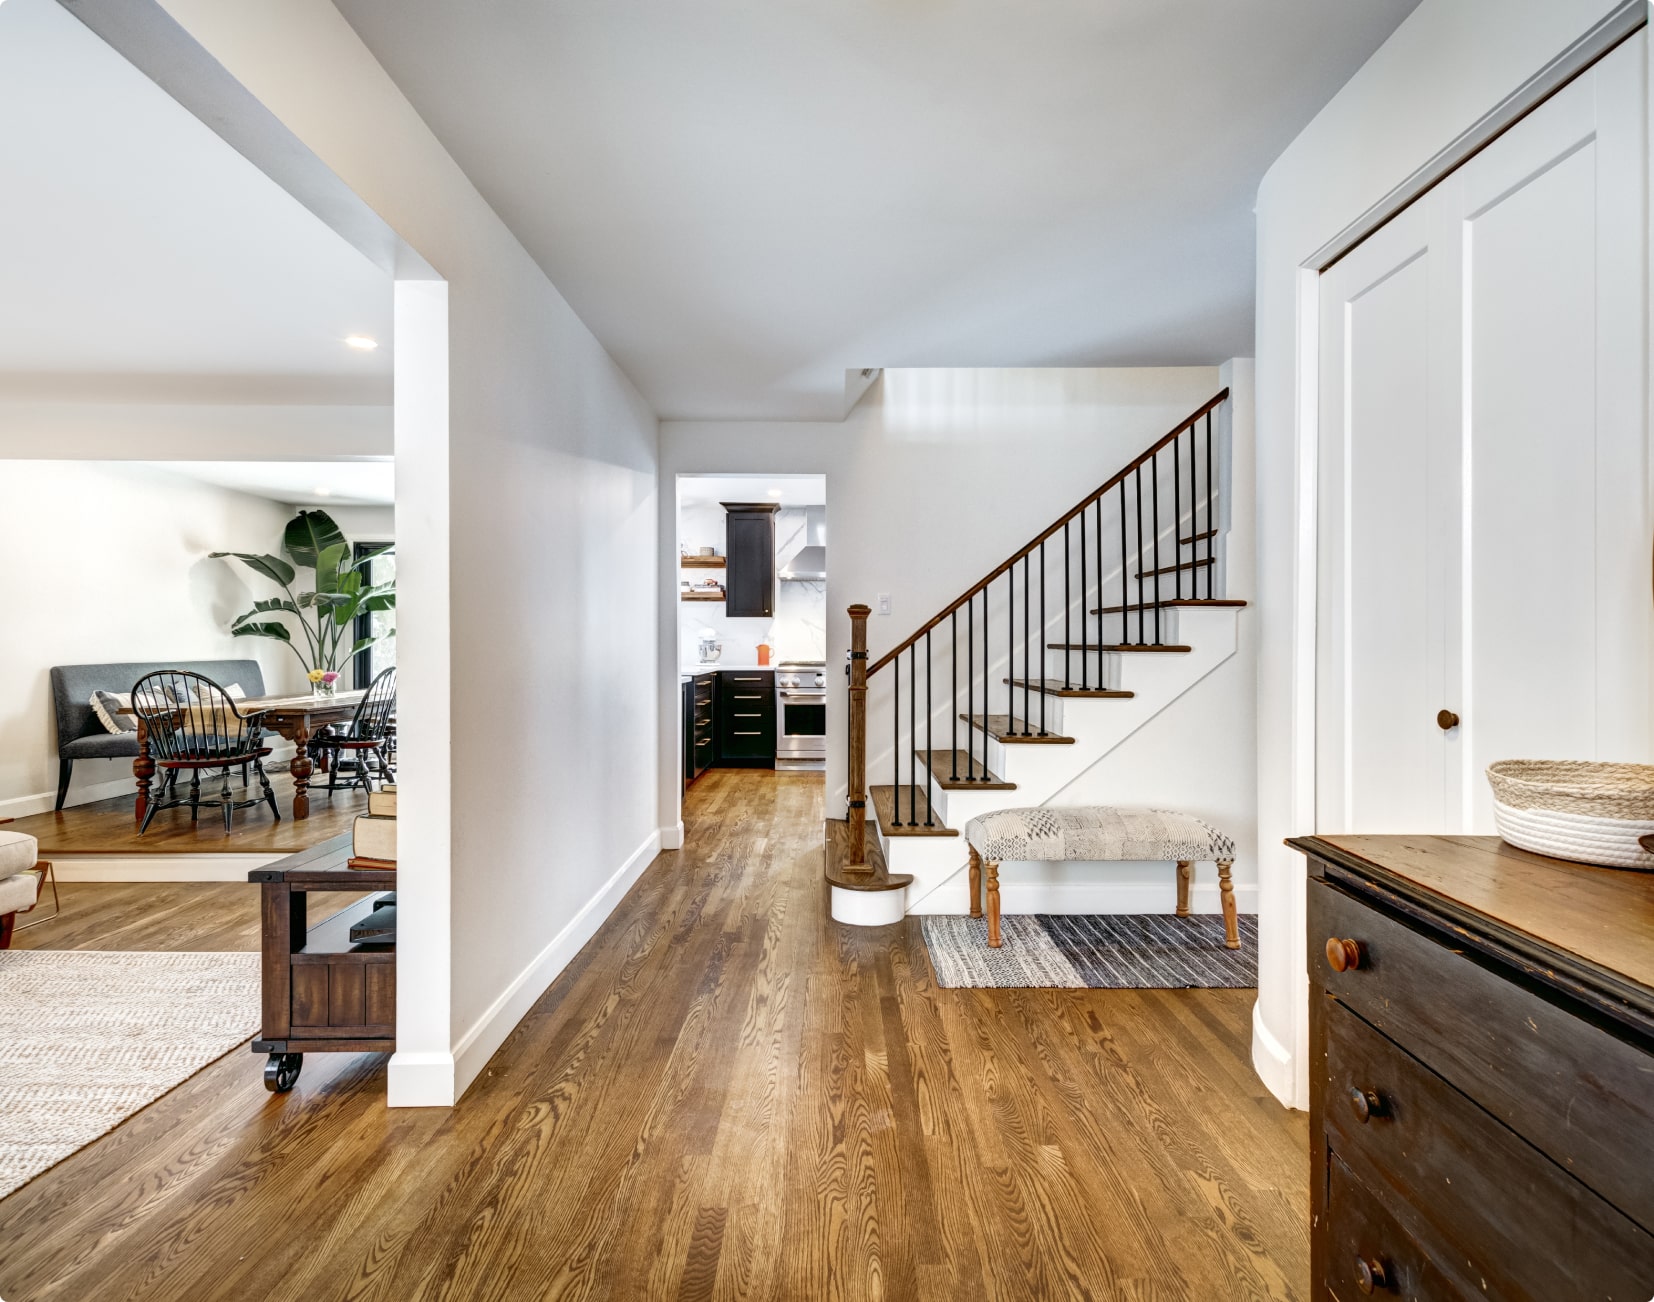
[1169, 603]
[884, 802]
[1125, 647]
[1054, 687]
[1181, 565]
[1003, 728]
[974, 775]
[835, 858]
[1198, 537]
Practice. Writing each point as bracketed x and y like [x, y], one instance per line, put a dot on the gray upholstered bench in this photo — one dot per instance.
[1086, 833]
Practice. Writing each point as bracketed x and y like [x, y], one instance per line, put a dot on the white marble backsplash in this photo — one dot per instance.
[799, 629]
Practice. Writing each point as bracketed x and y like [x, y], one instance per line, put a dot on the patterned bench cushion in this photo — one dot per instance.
[18, 852]
[1095, 832]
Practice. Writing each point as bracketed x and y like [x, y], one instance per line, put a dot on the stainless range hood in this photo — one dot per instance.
[809, 563]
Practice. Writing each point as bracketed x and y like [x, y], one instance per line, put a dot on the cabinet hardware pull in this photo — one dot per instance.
[748, 734]
[753, 697]
[1345, 955]
[1371, 1274]
[1446, 720]
[1366, 1104]
[707, 742]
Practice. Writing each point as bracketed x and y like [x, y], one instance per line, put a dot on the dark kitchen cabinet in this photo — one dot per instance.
[749, 545]
[700, 721]
[746, 718]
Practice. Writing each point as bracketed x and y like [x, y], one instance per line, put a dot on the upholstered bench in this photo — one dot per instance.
[20, 876]
[1087, 833]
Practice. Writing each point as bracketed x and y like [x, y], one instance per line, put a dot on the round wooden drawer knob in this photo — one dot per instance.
[1345, 955]
[1365, 1104]
[1371, 1274]
[1446, 720]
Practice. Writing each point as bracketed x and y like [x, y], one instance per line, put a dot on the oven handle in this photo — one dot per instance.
[806, 697]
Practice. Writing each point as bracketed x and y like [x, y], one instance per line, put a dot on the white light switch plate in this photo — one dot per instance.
[884, 603]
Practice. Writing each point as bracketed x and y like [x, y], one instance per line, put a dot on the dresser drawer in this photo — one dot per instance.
[1370, 1254]
[1484, 1203]
[1578, 1093]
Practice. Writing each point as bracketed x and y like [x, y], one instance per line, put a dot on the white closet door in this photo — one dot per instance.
[1552, 604]
[1484, 522]
[1380, 630]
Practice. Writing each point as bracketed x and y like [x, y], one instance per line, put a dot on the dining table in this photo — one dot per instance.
[297, 718]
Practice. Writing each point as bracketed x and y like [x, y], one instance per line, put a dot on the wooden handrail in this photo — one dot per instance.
[1118, 478]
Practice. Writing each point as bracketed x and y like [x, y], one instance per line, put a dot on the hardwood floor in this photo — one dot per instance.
[107, 827]
[726, 1095]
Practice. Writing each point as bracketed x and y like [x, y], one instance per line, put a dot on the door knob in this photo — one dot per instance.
[1446, 720]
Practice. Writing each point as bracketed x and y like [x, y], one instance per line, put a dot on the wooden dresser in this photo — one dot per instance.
[1481, 1072]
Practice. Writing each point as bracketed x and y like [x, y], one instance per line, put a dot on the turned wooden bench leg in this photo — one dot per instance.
[993, 904]
[976, 883]
[1226, 888]
[1185, 879]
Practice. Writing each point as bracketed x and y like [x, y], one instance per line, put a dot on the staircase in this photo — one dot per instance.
[1033, 675]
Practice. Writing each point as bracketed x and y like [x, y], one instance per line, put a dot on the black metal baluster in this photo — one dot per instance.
[1177, 512]
[1085, 610]
[1010, 643]
[1042, 639]
[1067, 606]
[1194, 512]
[1027, 669]
[1154, 493]
[1211, 503]
[913, 736]
[953, 683]
[896, 742]
[1125, 615]
[930, 755]
[1137, 480]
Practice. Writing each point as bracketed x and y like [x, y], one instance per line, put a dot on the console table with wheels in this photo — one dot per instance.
[322, 992]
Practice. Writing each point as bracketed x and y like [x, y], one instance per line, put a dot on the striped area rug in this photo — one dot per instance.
[1122, 951]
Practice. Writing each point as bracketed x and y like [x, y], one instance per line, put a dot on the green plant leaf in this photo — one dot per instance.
[367, 557]
[277, 631]
[271, 567]
[309, 534]
[266, 606]
[328, 564]
[378, 601]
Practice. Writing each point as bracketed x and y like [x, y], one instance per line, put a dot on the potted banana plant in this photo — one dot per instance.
[323, 616]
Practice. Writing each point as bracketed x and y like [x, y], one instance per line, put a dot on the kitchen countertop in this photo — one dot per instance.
[689, 671]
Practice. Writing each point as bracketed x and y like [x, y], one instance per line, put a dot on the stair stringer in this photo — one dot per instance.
[938, 864]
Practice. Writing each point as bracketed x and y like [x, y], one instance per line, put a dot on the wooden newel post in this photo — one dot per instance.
[857, 811]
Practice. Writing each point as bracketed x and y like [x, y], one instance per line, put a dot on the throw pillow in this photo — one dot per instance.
[105, 705]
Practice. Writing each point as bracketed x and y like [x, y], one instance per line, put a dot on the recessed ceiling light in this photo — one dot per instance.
[775, 492]
[323, 490]
[365, 343]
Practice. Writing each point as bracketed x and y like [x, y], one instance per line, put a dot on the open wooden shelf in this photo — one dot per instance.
[703, 596]
[702, 562]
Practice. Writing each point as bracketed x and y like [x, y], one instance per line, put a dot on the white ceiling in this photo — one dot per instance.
[139, 244]
[297, 483]
[744, 198]
[784, 490]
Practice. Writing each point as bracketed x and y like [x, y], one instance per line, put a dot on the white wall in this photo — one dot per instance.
[360, 523]
[546, 499]
[1447, 66]
[935, 478]
[110, 564]
[797, 630]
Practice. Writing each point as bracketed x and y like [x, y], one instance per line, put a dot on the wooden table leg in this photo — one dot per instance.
[143, 769]
[993, 903]
[1185, 879]
[976, 883]
[301, 769]
[1226, 888]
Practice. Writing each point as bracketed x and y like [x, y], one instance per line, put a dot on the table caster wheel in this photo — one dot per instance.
[281, 1073]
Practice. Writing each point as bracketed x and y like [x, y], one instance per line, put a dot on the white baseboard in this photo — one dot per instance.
[158, 867]
[1272, 1062]
[671, 838]
[86, 793]
[473, 1049]
[420, 1080]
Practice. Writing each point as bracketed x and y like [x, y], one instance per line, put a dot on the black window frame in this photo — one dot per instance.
[361, 664]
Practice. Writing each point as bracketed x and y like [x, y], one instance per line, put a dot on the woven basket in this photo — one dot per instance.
[1576, 809]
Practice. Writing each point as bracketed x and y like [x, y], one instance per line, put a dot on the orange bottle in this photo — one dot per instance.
[763, 653]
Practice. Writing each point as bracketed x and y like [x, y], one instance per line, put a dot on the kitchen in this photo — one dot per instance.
[752, 623]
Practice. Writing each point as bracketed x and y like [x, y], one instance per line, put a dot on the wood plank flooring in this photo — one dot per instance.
[107, 827]
[727, 1095]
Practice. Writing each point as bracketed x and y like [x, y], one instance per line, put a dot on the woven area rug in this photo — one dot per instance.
[1117, 951]
[87, 1038]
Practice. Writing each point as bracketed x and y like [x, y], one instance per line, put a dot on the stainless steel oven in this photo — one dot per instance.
[801, 714]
